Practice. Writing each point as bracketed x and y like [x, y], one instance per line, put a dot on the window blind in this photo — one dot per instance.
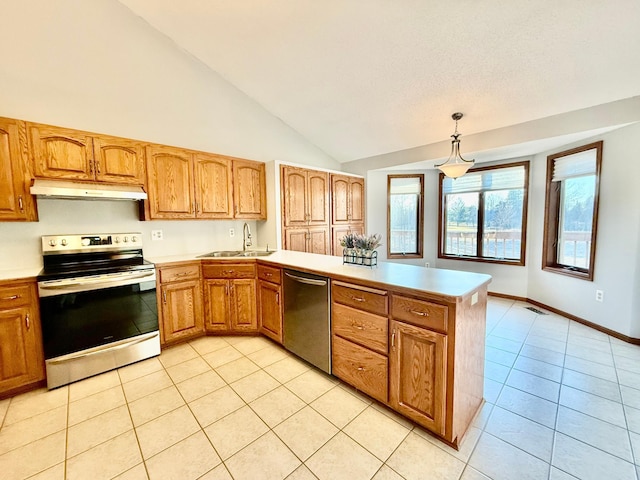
[577, 165]
[486, 180]
[404, 186]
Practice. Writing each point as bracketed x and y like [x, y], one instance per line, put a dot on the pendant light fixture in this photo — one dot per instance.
[455, 166]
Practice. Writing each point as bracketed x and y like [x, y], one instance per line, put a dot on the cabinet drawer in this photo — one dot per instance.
[360, 327]
[182, 272]
[362, 298]
[361, 368]
[420, 312]
[15, 296]
[229, 270]
[269, 274]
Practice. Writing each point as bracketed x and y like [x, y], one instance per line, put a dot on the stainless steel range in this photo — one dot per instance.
[97, 305]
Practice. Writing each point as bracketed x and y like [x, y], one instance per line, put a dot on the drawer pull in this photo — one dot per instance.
[228, 272]
[182, 274]
[361, 369]
[268, 274]
[12, 297]
[357, 299]
[358, 326]
[421, 314]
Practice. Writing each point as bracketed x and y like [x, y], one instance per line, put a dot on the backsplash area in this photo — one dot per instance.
[20, 242]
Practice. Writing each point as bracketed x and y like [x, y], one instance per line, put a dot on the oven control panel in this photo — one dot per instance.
[89, 242]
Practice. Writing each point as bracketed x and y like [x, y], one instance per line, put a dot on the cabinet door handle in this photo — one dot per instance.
[277, 298]
[12, 297]
[357, 299]
[164, 297]
[197, 208]
[91, 166]
[20, 203]
[97, 166]
[27, 320]
[393, 339]
[421, 314]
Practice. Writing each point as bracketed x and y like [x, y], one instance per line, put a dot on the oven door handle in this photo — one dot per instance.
[111, 347]
[114, 281]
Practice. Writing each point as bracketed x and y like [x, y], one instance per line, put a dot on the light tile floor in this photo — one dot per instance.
[563, 402]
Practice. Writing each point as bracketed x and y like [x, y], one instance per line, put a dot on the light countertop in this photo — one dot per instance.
[441, 282]
[19, 273]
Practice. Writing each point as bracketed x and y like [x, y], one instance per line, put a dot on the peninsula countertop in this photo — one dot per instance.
[453, 284]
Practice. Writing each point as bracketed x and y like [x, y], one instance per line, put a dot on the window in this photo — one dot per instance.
[405, 206]
[571, 211]
[483, 215]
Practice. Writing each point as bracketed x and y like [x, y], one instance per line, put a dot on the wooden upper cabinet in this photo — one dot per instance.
[75, 155]
[118, 160]
[16, 203]
[61, 153]
[213, 186]
[294, 192]
[170, 182]
[305, 195]
[347, 200]
[249, 190]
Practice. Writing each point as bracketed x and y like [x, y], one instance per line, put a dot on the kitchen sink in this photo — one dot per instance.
[235, 253]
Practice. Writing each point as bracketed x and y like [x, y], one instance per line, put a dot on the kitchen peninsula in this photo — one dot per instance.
[408, 336]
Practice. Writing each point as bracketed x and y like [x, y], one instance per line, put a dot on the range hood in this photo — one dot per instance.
[86, 191]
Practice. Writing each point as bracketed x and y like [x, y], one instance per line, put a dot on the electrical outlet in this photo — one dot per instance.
[156, 235]
[427, 264]
[232, 232]
[599, 295]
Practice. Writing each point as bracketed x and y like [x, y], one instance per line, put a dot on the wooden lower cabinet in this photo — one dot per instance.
[21, 355]
[230, 303]
[180, 302]
[362, 368]
[417, 374]
[270, 296]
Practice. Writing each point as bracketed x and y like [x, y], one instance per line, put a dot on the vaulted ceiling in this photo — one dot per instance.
[362, 78]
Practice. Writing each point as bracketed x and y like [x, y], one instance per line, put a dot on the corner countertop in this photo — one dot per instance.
[448, 283]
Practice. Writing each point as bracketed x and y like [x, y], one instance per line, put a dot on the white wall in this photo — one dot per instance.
[617, 267]
[617, 253]
[97, 67]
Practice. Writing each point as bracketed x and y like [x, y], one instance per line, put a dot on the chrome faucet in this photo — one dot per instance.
[246, 237]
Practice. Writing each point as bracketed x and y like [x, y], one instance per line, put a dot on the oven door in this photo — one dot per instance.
[91, 325]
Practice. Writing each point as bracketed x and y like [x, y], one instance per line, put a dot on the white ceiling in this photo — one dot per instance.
[361, 78]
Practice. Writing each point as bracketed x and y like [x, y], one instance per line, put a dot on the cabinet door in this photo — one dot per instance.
[249, 192]
[319, 241]
[296, 239]
[242, 303]
[336, 235]
[213, 186]
[16, 203]
[356, 200]
[318, 197]
[418, 366]
[61, 153]
[21, 359]
[170, 172]
[217, 309]
[270, 310]
[181, 310]
[118, 160]
[339, 199]
[294, 193]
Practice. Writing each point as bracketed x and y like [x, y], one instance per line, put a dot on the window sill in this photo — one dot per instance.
[497, 261]
[400, 256]
[582, 275]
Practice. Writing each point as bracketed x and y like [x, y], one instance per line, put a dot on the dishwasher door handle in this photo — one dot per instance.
[308, 281]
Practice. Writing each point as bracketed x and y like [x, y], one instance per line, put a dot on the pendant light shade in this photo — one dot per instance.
[455, 166]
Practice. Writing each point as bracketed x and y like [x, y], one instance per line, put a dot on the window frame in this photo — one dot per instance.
[420, 226]
[521, 262]
[552, 217]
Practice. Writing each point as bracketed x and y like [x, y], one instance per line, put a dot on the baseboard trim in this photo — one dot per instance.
[595, 326]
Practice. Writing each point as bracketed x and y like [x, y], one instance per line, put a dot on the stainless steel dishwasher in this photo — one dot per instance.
[307, 324]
